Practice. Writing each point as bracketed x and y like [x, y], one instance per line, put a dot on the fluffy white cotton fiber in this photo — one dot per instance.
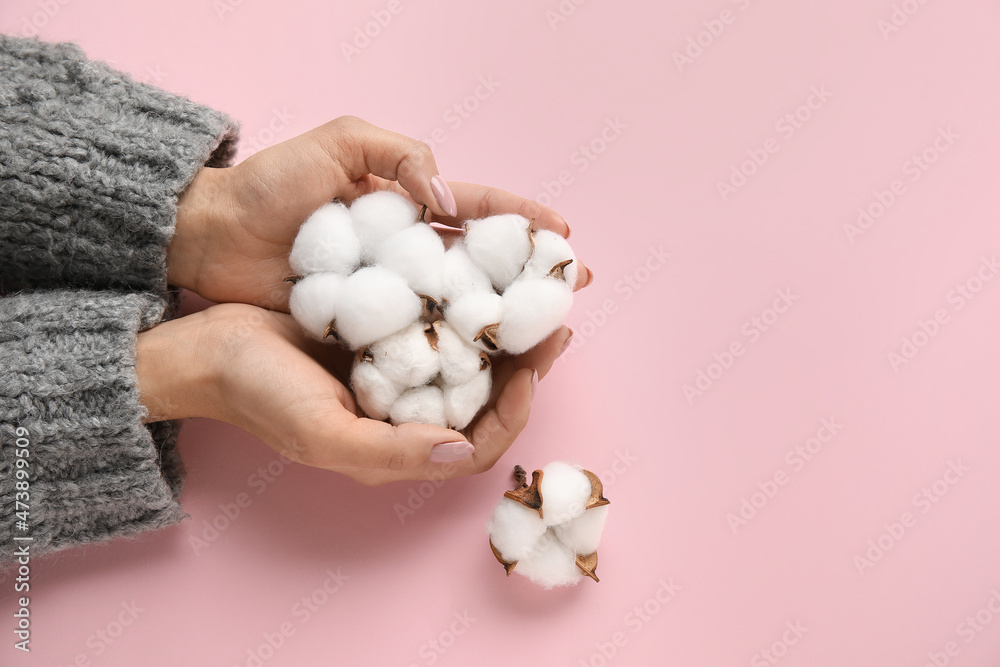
[463, 401]
[583, 534]
[379, 215]
[460, 361]
[406, 358]
[375, 302]
[416, 254]
[551, 563]
[314, 301]
[326, 242]
[499, 245]
[470, 314]
[375, 392]
[565, 492]
[365, 272]
[532, 309]
[549, 531]
[551, 251]
[420, 404]
[514, 529]
[462, 276]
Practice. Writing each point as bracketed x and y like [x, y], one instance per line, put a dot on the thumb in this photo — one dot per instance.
[376, 445]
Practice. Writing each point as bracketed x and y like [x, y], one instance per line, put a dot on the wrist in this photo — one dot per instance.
[199, 210]
[174, 383]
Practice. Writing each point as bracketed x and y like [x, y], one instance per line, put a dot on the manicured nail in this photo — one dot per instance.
[447, 452]
[569, 230]
[565, 345]
[590, 277]
[534, 382]
[444, 196]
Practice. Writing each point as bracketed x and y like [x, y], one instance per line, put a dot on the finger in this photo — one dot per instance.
[497, 429]
[478, 201]
[362, 148]
[541, 357]
[375, 445]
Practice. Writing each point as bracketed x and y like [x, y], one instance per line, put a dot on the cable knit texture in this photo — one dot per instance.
[91, 164]
[96, 472]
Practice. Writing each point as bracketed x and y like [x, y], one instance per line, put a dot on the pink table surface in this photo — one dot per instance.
[786, 370]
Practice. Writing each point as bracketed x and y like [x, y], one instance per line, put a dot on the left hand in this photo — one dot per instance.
[236, 226]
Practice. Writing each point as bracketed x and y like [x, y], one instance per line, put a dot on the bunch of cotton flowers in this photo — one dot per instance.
[379, 280]
[549, 530]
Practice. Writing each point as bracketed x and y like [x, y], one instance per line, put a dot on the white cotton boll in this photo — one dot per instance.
[326, 242]
[565, 491]
[471, 313]
[424, 405]
[376, 302]
[461, 276]
[499, 245]
[550, 250]
[379, 215]
[583, 534]
[416, 254]
[514, 530]
[462, 402]
[406, 357]
[532, 309]
[460, 361]
[315, 301]
[374, 391]
[550, 564]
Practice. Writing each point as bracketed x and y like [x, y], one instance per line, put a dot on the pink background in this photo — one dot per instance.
[683, 466]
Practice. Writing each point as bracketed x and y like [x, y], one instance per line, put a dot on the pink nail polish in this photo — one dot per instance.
[447, 452]
[534, 382]
[565, 345]
[444, 195]
[590, 277]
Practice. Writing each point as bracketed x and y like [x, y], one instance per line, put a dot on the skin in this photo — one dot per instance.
[246, 362]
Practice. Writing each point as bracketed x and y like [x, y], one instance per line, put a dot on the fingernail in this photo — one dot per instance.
[590, 277]
[444, 196]
[569, 230]
[534, 381]
[565, 345]
[447, 452]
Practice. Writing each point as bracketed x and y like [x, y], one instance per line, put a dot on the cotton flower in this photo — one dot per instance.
[532, 309]
[417, 254]
[326, 242]
[549, 531]
[500, 246]
[420, 404]
[375, 302]
[314, 300]
[377, 280]
[377, 216]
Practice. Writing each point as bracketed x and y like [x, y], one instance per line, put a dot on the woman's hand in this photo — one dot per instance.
[235, 226]
[255, 368]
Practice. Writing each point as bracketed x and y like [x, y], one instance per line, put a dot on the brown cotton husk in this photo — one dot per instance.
[331, 331]
[484, 362]
[430, 305]
[507, 565]
[529, 495]
[596, 491]
[432, 336]
[559, 270]
[488, 334]
[292, 279]
[588, 565]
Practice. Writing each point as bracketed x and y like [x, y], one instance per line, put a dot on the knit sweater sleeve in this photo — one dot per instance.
[91, 165]
[69, 407]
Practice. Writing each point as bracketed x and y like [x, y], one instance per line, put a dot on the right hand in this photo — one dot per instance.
[256, 369]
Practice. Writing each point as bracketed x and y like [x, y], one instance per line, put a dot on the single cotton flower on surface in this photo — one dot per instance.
[549, 530]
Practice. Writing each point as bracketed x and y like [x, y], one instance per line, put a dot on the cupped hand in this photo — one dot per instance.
[255, 369]
[235, 226]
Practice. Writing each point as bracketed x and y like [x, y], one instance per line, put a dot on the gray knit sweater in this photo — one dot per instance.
[91, 165]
